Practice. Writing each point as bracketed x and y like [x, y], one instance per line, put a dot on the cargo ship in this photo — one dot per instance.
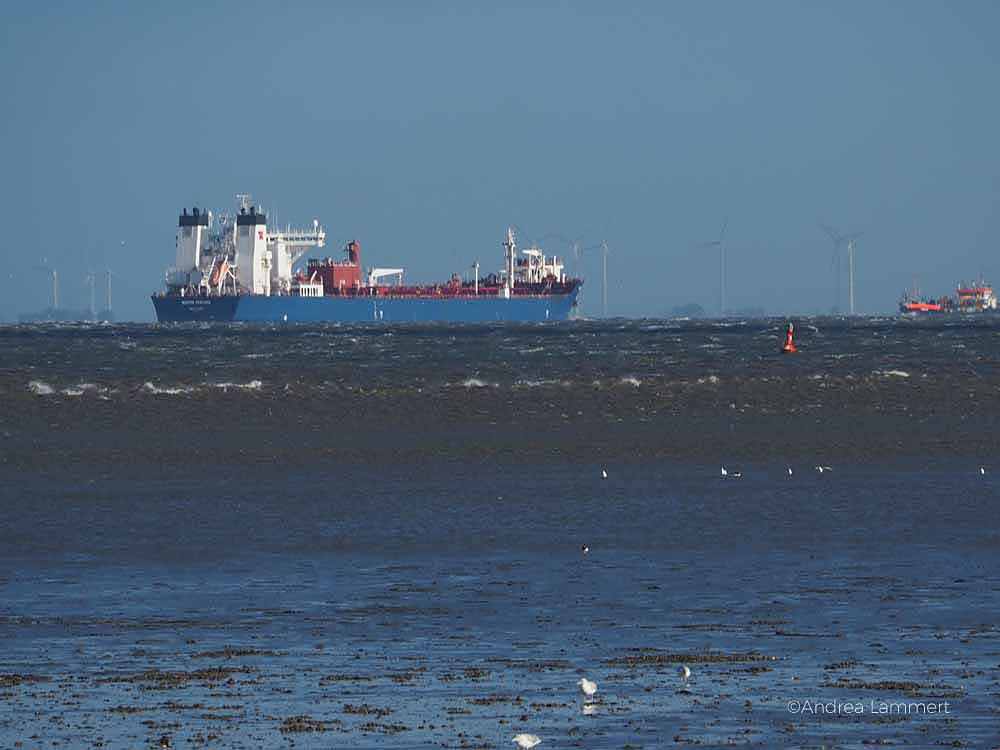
[974, 297]
[236, 268]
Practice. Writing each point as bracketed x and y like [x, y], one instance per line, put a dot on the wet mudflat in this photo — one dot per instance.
[411, 610]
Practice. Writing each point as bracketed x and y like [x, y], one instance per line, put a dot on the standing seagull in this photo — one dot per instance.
[587, 687]
[604, 473]
[526, 741]
[684, 672]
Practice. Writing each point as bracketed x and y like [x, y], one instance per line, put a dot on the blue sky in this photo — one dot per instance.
[422, 129]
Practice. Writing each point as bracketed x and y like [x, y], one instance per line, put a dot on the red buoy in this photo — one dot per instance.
[789, 347]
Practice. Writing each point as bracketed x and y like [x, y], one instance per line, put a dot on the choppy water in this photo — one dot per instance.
[368, 537]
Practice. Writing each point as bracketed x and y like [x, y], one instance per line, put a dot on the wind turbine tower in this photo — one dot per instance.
[850, 263]
[604, 278]
[721, 244]
[92, 282]
[840, 241]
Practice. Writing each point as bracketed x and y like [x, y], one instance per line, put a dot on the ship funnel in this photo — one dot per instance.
[191, 229]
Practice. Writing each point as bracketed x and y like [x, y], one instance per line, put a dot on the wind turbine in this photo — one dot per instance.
[850, 262]
[55, 282]
[839, 241]
[579, 251]
[603, 247]
[91, 280]
[721, 244]
[108, 275]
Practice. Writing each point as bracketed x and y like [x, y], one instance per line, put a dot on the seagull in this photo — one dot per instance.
[724, 472]
[526, 741]
[585, 549]
[821, 469]
[982, 470]
[789, 471]
[683, 672]
[587, 687]
[604, 473]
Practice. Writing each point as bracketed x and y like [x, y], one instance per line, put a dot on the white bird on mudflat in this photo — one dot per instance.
[684, 672]
[526, 741]
[604, 473]
[821, 469]
[587, 687]
[982, 469]
[585, 549]
[789, 471]
[734, 474]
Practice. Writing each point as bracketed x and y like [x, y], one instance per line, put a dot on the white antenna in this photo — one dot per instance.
[475, 267]
[244, 199]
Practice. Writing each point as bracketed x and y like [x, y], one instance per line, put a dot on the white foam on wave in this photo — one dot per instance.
[158, 391]
[711, 379]
[477, 383]
[40, 388]
[893, 373]
[253, 385]
[630, 380]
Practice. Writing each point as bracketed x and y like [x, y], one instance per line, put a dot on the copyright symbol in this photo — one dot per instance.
[794, 707]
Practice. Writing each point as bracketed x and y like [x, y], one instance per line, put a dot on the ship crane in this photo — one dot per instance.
[380, 273]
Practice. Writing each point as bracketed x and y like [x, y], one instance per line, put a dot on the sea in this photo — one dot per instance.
[425, 536]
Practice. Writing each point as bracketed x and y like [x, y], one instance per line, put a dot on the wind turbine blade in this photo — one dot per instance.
[834, 236]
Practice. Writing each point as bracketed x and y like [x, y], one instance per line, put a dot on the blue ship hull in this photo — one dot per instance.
[330, 309]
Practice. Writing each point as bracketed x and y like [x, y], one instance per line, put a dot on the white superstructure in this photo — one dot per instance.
[536, 267]
[237, 254]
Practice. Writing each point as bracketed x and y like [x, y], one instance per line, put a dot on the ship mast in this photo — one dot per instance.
[509, 248]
